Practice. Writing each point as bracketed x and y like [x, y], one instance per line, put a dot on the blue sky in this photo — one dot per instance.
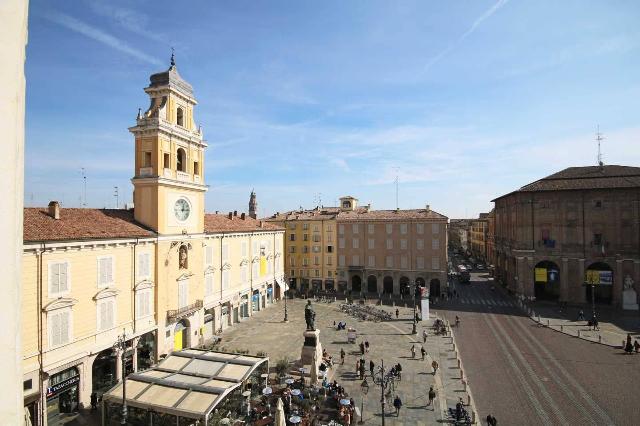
[301, 100]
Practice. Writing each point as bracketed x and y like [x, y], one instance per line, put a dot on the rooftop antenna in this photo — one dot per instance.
[599, 138]
[115, 194]
[83, 199]
[320, 199]
[396, 169]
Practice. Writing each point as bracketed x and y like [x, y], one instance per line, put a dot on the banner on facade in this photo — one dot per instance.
[424, 309]
[599, 277]
[541, 275]
[263, 265]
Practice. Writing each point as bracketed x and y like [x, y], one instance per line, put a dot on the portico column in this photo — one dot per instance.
[564, 280]
[119, 355]
[528, 276]
[582, 295]
[617, 284]
[519, 272]
[134, 344]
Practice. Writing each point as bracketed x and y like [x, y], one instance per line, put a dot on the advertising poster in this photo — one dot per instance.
[541, 275]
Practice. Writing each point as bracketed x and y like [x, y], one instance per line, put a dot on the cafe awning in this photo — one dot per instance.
[189, 383]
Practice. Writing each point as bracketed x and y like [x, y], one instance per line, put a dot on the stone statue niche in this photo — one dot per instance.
[629, 295]
[183, 257]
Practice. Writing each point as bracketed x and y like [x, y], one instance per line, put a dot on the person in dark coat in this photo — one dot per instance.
[397, 403]
[371, 367]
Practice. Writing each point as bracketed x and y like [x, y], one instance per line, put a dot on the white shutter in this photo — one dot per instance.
[147, 302]
[64, 327]
[55, 278]
[209, 255]
[243, 274]
[64, 278]
[55, 329]
[225, 252]
[208, 280]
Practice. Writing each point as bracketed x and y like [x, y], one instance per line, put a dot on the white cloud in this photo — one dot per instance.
[128, 19]
[100, 36]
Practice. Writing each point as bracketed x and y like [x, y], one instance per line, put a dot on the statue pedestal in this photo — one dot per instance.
[630, 300]
[311, 345]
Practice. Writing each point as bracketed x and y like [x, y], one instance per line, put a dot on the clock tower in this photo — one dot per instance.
[168, 179]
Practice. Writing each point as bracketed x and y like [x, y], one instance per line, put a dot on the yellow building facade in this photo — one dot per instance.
[164, 276]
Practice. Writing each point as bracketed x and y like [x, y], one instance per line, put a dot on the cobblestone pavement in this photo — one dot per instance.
[390, 341]
[526, 374]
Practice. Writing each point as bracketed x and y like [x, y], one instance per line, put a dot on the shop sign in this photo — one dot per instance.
[541, 275]
[599, 277]
[64, 385]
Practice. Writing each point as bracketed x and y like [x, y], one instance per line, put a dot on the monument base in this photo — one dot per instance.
[311, 345]
[629, 300]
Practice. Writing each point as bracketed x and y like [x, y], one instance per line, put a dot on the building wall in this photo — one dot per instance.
[434, 257]
[561, 226]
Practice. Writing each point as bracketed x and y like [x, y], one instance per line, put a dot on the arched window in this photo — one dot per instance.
[181, 160]
[180, 117]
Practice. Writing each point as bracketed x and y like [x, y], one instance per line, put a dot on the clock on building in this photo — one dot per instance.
[182, 209]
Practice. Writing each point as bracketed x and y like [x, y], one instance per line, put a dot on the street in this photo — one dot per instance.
[529, 375]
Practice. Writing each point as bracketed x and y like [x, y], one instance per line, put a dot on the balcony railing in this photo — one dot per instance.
[174, 315]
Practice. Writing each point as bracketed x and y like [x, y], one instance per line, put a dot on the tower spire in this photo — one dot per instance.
[253, 205]
[173, 57]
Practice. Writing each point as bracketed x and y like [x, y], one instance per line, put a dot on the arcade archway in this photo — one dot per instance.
[387, 285]
[356, 284]
[372, 284]
[546, 278]
[599, 283]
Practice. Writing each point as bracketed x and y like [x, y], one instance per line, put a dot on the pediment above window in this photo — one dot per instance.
[226, 267]
[270, 256]
[60, 303]
[143, 285]
[209, 270]
[244, 262]
[255, 260]
[106, 292]
[184, 276]
[278, 254]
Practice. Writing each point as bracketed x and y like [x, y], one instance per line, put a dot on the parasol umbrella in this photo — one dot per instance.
[280, 417]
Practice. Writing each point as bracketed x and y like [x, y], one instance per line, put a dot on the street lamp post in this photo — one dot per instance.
[286, 315]
[365, 388]
[383, 380]
[121, 345]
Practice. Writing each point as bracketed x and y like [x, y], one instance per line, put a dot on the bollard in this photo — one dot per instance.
[539, 320]
[459, 366]
[468, 399]
[599, 338]
[548, 323]
[393, 304]
[454, 346]
[473, 417]
[464, 385]
[578, 333]
[561, 328]
[461, 374]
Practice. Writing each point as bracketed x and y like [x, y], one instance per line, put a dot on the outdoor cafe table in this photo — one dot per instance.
[295, 419]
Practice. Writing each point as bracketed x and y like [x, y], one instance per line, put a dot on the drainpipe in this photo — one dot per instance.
[43, 398]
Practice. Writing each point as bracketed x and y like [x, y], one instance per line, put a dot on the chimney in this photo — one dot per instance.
[235, 212]
[242, 216]
[54, 210]
[428, 208]
[230, 215]
[262, 224]
[217, 211]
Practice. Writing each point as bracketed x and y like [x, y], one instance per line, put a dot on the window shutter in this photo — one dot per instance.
[208, 284]
[55, 329]
[209, 255]
[63, 283]
[55, 278]
[64, 327]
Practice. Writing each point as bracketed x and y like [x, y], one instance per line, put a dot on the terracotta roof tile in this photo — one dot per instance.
[590, 177]
[214, 223]
[360, 213]
[81, 224]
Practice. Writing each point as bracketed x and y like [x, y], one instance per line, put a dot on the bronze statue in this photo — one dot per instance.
[309, 316]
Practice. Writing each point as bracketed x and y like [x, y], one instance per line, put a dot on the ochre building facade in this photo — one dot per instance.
[163, 276]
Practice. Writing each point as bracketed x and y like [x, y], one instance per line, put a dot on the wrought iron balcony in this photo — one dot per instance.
[174, 315]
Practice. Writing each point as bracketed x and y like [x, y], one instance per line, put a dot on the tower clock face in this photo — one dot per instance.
[182, 209]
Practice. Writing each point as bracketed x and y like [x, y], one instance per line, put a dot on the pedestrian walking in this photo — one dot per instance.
[342, 355]
[424, 336]
[357, 366]
[366, 346]
[434, 365]
[372, 366]
[423, 352]
[362, 370]
[399, 371]
[581, 315]
[491, 421]
[432, 396]
[628, 348]
[413, 351]
[397, 403]
[397, 313]
[361, 348]
[636, 346]
[94, 401]
[594, 321]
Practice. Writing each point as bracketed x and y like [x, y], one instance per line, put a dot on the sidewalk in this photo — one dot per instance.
[613, 325]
